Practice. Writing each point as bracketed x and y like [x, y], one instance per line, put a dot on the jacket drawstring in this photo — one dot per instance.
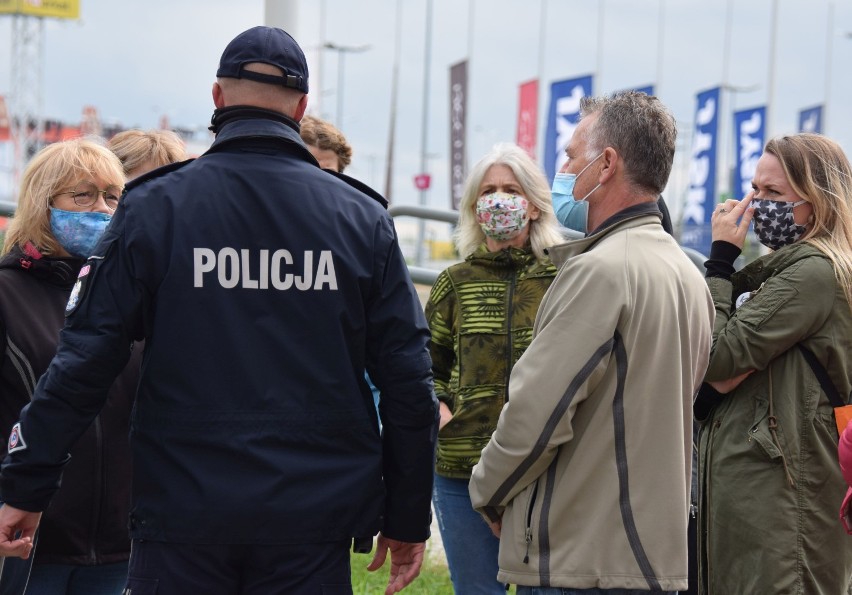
[773, 429]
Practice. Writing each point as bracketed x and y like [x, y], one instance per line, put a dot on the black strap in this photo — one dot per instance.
[822, 375]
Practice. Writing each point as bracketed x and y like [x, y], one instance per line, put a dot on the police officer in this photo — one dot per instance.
[264, 287]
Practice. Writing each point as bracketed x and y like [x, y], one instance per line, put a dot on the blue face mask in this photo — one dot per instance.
[570, 212]
[78, 231]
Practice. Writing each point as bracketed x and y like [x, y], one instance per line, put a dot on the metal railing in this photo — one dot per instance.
[427, 276]
[424, 275]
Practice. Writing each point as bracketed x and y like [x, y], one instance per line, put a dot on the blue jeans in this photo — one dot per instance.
[67, 579]
[470, 546]
[521, 590]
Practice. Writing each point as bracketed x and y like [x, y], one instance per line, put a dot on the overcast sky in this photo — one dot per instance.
[138, 61]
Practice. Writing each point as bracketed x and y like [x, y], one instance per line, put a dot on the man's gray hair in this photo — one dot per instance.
[641, 129]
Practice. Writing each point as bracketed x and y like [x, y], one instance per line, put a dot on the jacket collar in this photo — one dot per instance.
[247, 122]
[57, 271]
[633, 216]
[506, 258]
[239, 123]
[761, 269]
[643, 208]
[222, 116]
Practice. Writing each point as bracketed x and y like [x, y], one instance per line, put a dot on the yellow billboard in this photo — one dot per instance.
[59, 9]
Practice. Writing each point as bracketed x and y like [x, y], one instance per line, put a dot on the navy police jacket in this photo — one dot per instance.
[264, 287]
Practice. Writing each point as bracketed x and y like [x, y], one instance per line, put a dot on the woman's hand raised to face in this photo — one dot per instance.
[731, 219]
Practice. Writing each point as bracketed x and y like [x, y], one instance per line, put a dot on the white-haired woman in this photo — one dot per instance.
[481, 314]
[68, 194]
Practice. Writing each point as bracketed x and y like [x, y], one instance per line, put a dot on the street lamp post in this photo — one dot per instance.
[424, 129]
[829, 51]
[341, 50]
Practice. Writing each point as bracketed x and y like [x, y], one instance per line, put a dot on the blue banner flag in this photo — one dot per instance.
[647, 89]
[562, 119]
[810, 119]
[750, 136]
[701, 194]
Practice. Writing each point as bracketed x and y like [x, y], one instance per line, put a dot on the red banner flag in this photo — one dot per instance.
[528, 117]
[4, 120]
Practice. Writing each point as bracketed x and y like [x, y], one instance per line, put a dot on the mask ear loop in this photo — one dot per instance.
[590, 192]
[809, 223]
[588, 165]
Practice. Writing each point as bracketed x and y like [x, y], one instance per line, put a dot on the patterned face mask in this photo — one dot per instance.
[774, 223]
[78, 231]
[502, 216]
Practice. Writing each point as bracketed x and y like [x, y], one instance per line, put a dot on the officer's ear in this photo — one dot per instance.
[300, 108]
[218, 96]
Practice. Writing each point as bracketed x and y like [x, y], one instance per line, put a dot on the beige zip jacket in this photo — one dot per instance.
[591, 460]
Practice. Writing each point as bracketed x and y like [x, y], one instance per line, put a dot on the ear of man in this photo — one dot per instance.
[218, 96]
[300, 108]
[610, 161]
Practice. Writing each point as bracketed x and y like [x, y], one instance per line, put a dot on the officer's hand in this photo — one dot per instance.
[406, 560]
[12, 521]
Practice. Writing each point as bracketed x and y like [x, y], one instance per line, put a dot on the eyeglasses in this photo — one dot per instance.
[86, 194]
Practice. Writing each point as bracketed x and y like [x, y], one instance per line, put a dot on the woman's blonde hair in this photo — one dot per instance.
[55, 168]
[544, 231]
[137, 147]
[819, 172]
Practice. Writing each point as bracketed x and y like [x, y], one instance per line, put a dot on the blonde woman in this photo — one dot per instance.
[141, 151]
[770, 482]
[481, 313]
[68, 194]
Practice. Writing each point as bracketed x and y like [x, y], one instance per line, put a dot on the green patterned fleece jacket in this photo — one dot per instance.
[481, 313]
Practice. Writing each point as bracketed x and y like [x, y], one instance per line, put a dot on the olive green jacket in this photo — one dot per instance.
[481, 314]
[769, 501]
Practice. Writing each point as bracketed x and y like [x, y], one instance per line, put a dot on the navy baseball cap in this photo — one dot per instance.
[268, 45]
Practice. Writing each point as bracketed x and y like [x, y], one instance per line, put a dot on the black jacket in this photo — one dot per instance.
[264, 287]
[86, 522]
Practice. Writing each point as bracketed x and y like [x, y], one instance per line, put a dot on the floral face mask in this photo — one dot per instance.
[502, 216]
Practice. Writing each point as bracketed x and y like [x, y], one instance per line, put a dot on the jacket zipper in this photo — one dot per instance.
[509, 347]
[528, 529]
[99, 487]
[706, 505]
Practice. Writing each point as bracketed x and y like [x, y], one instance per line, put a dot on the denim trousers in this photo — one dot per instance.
[522, 590]
[68, 579]
[470, 546]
